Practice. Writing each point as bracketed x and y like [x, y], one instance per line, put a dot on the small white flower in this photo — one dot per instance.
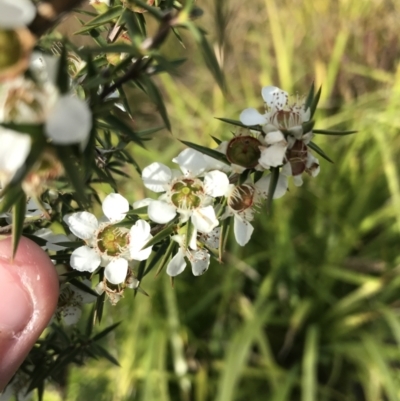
[52, 239]
[198, 258]
[23, 101]
[282, 113]
[32, 211]
[243, 201]
[67, 119]
[299, 160]
[16, 14]
[186, 195]
[71, 301]
[107, 245]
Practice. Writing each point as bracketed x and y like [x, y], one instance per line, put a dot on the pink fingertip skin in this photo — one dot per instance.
[29, 293]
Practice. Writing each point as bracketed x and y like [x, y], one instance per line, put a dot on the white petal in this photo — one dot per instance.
[274, 137]
[115, 272]
[82, 224]
[85, 259]
[177, 264]
[274, 97]
[263, 183]
[100, 288]
[156, 177]
[312, 165]
[139, 236]
[161, 212]
[204, 219]
[44, 67]
[70, 121]
[212, 239]
[115, 207]
[272, 156]
[200, 261]
[252, 117]
[16, 13]
[191, 162]
[142, 203]
[243, 230]
[14, 150]
[286, 170]
[298, 180]
[216, 183]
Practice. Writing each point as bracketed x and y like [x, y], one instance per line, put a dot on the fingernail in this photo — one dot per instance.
[16, 306]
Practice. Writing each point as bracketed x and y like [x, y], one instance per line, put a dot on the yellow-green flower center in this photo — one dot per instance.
[244, 151]
[10, 48]
[186, 193]
[113, 240]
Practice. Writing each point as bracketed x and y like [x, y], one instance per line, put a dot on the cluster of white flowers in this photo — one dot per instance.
[32, 99]
[283, 141]
[194, 199]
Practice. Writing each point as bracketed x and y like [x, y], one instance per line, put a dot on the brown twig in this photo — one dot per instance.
[49, 13]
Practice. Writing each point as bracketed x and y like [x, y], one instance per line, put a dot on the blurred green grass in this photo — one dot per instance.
[309, 310]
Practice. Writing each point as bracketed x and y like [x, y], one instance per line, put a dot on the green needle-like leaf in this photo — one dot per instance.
[207, 151]
[310, 97]
[318, 150]
[73, 172]
[160, 236]
[239, 124]
[107, 330]
[272, 187]
[155, 95]
[19, 210]
[162, 255]
[208, 54]
[111, 14]
[332, 132]
[315, 102]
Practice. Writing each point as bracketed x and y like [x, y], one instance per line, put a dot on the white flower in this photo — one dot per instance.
[16, 14]
[52, 239]
[185, 195]
[300, 159]
[244, 198]
[32, 211]
[69, 121]
[281, 112]
[198, 258]
[107, 245]
[67, 118]
[71, 301]
[23, 101]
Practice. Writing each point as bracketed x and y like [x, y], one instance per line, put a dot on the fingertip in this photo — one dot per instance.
[29, 288]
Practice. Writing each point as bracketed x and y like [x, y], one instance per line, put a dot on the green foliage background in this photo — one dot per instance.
[309, 309]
